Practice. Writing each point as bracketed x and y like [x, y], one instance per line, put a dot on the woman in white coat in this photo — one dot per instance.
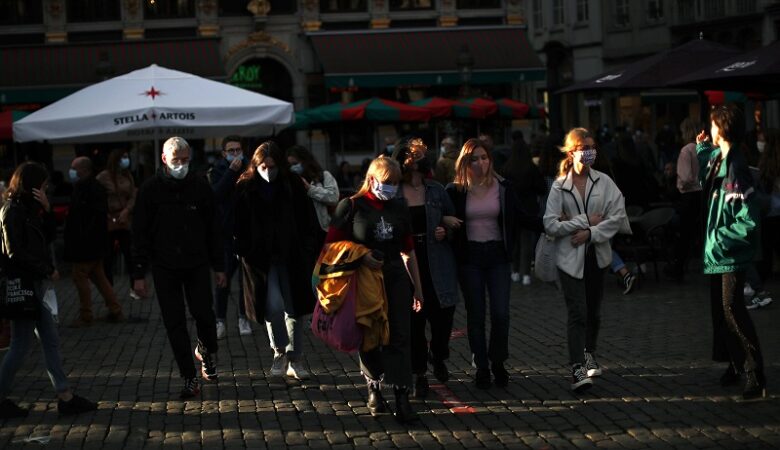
[585, 209]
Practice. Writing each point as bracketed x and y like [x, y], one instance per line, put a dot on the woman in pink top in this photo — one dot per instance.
[491, 214]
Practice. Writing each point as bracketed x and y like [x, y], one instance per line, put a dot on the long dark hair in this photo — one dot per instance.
[113, 168]
[312, 170]
[267, 148]
[462, 180]
[519, 161]
[26, 177]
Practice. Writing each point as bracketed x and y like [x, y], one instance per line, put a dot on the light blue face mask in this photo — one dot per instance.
[297, 168]
[179, 172]
[73, 175]
[383, 191]
[231, 157]
[124, 163]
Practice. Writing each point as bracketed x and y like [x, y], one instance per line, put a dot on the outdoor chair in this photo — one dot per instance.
[650, 241]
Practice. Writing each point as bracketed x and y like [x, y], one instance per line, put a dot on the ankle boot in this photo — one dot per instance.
[730, 377]
[376, 403]
[403, 409]
[755, 385]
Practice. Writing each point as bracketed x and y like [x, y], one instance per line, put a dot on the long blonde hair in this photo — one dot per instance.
[463, 180]
[574, 138]
[383, 169]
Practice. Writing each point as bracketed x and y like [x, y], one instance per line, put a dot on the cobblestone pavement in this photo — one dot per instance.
[659, 389]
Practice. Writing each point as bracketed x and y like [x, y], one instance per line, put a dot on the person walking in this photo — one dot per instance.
[491, 214]
[432, 214]
[27, 227]
[321, 187]
[176, 231]
[732, 222]
[86, 233]
[585, 209]
[376, 219]
[223, 177]
[120, 189]
[275, 235]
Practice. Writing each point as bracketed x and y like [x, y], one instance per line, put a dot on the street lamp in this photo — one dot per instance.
[465, 63]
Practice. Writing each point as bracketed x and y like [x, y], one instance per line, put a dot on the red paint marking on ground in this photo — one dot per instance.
[458, 333]
[450, 400]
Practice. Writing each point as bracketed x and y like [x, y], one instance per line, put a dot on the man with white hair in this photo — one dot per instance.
[176, 232]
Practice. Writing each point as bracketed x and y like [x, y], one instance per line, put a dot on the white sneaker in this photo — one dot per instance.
[221, 329]
[134, 296]
[526, 280]
[592, 367]
[516, 277]
[277, 368]
[244, 327]
[748, 291]
[297, 370]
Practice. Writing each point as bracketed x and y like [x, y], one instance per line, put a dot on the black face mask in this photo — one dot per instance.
[424, 166]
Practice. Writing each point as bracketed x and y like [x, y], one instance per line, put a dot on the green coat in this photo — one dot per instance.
[733, 214]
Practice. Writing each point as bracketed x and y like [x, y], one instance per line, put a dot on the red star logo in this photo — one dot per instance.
[152, 93]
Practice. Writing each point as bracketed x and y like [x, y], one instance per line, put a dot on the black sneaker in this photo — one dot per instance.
[191, 388]
[580, 381]
[730, 377]
[10, 410]
[592, 368]
[482, 379]
[628, 283]
[440, 370]
[208, 363]
[421, 387]
[500, 375]
[76, 405]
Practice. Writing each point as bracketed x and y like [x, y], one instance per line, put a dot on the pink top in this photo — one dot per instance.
[482, 215]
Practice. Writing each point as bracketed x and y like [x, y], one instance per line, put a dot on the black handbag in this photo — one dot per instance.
[19, 300]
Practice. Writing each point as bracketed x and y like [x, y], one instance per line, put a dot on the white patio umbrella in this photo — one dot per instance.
[155, 103]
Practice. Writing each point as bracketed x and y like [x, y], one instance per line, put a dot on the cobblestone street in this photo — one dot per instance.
[659, 388]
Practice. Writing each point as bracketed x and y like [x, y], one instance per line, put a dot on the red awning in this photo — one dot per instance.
[7, 119]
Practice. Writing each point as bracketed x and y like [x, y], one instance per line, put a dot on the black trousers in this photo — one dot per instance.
[174, 287]
[734, 336]
[122, 237]
[689, 208]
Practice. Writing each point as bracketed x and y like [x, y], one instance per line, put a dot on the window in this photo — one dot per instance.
[746, 6]
[336, 6]
[172, 9]
[714, 9]
[20, 12]
[411, 5]
[93, 10]
[622, 13]
[557, 16]
[655, 10]
[281, 7]
[233, 8]
[687, 10]
[478, 4]
[582, 11]
[538, 14]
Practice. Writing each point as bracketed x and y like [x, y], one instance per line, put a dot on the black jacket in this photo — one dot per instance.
[511, 218]
[275, 223]
[223, 182]
[27, 232]
[175, 225]
[86, 227]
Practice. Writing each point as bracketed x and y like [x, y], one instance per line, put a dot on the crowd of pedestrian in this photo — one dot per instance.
[430, 226]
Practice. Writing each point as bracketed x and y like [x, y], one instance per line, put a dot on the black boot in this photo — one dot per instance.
[755, 385]
[730, 377]
[421, 386]
[376, 403]
[403, 409]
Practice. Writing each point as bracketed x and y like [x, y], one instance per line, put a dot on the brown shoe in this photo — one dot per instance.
[115, 317]
[80, 323]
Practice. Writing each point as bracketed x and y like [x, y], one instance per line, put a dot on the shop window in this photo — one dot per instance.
[93, 10]
[341, 6]
[411, 5]
[173, 9]
[478, 4]
[21, 12]
[714, 9]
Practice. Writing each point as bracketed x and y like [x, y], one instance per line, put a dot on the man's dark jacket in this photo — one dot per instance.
[175, 225]
[86, 227]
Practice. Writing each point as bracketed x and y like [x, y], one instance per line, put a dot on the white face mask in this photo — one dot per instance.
[760, 145]
[383, 191]
[297, 168]
[178, 171]
[268, 175]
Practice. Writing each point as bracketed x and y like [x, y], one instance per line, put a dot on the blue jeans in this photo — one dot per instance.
[617, 262]
[21, 340]
[487, 266]
[284, 330]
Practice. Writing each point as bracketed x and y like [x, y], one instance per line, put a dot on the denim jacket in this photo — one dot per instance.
[441, 259]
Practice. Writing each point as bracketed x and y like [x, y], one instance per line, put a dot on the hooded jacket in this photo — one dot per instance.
[602, 196]
[733, 215]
